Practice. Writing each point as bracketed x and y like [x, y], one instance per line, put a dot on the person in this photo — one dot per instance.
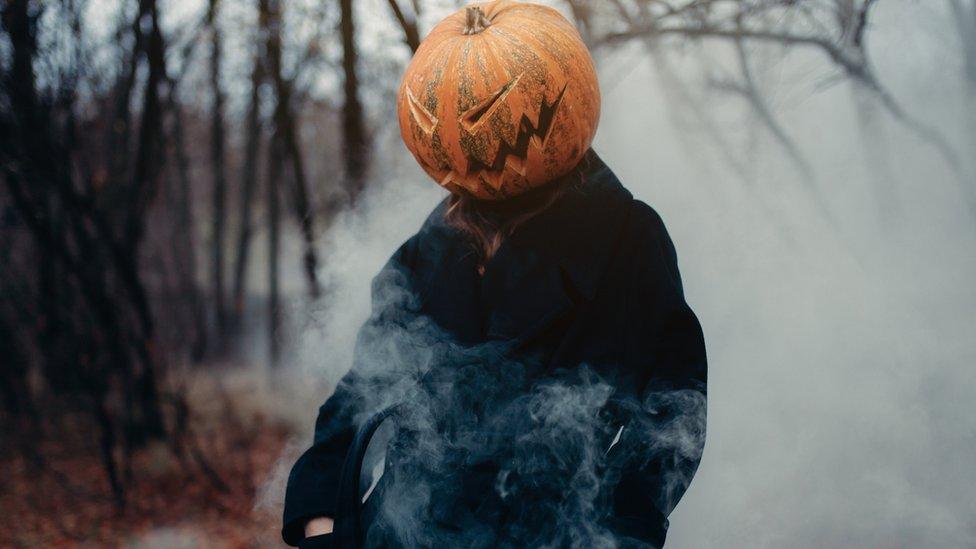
[575, 276]
[531, 361]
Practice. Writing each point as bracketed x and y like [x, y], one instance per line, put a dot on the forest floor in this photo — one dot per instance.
[222, 487]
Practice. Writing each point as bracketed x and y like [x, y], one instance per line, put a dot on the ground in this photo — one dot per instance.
[223, 492]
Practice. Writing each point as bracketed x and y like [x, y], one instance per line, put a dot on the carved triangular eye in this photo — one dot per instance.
[421, 115]
[472, 117]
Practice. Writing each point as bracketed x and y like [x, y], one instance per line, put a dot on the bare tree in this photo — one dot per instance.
[219, 188]
[252, 129]
[183, 240]
[816, 25]
[274, 244]
[286, 132]
[91, 267]
[411, 33]
[356, 140]
[681, 95]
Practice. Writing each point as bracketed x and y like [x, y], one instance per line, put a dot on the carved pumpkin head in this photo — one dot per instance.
[501, 97]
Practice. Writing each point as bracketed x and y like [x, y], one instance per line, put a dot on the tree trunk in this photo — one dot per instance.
[184, 248]
[217, 165]
[274, 175]
[411, 34]
[149, 153]
[145, 182]
[38, 173]
[286, 133]
[303, 209]
[251, 150]
[356, 144]
[120, 130]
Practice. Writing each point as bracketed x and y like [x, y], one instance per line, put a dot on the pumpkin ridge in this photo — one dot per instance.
[490, 48]
[502, 120]
[544, 42]
[533, 68]
[450, 106]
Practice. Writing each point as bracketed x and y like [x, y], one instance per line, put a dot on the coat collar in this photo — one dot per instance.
[551, 264]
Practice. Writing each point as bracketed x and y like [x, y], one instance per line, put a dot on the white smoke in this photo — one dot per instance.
[478, 422]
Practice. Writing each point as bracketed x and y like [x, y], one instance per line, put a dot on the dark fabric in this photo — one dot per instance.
[324, 541]
[588, 289]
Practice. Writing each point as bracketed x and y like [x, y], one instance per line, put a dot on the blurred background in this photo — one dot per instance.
[196, 193]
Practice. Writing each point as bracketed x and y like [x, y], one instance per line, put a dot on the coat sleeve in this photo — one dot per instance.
[314, 479]
[663, 412]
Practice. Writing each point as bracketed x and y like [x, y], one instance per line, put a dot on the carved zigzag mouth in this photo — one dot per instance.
[514, 154]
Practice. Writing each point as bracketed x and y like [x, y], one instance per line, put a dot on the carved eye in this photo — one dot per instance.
[472, 117]
[420, 114]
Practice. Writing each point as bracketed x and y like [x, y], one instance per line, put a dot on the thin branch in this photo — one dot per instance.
[857, 69]
[411, 35]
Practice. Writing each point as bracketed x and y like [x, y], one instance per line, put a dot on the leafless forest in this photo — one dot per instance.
[185, 184]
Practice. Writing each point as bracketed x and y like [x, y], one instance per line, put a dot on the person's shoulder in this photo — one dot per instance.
[646, 224]
[436, 216]
[431, 236]
[610, 195]
[650, 242]
[435, 223]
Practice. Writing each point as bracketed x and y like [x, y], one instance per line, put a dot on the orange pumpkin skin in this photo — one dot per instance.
[504, 108]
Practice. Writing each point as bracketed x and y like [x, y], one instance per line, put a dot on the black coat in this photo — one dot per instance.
[570, 406]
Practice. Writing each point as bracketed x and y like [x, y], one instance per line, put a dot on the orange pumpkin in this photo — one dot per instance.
[501, 97]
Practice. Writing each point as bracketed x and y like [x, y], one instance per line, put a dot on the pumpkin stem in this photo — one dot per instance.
[476, 21]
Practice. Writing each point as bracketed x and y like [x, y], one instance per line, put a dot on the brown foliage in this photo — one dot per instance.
[201, 492]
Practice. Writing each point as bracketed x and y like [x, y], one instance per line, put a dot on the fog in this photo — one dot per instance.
[841, 346]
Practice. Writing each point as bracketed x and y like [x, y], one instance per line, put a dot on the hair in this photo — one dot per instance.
[487, 223]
